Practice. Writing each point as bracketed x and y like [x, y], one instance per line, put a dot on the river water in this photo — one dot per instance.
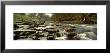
[84, 31]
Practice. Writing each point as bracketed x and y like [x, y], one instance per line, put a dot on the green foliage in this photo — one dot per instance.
[32, 18]
[41, 18]
[84, 18]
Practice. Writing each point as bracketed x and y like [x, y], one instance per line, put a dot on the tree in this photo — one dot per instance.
[84, 18]
[89, 18]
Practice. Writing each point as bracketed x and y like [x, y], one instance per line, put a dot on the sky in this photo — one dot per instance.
[49, 14]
